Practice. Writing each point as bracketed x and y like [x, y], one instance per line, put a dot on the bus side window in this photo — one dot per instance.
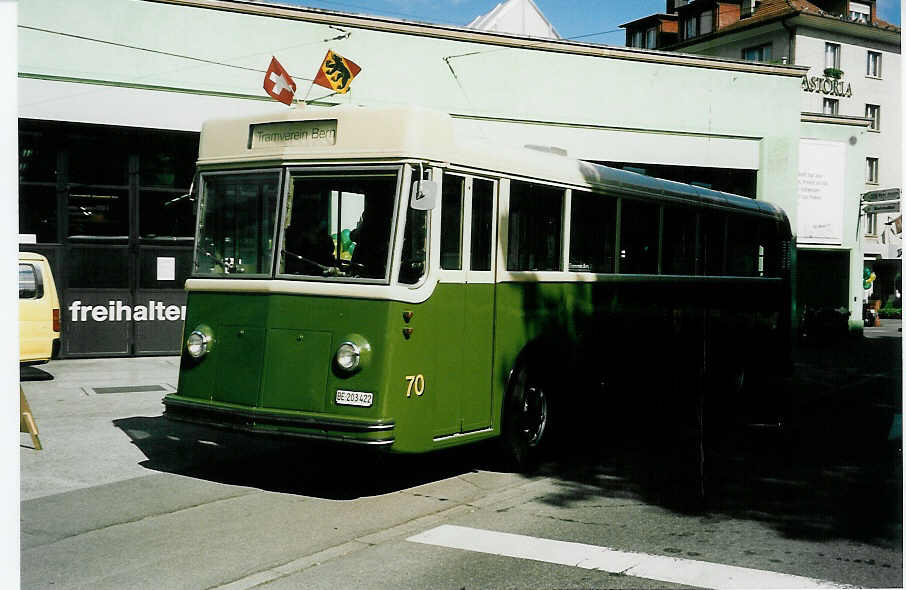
[638, 237]
[414, 257]
[713, 243]
[535, 227]
[679, 241]
[593, 224]
[768, 250]
[742, 247]
[451, 222]
[482, 219]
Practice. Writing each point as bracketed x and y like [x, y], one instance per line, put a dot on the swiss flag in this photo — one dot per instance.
[278, 83]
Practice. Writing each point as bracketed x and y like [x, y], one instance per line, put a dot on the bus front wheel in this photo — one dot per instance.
[526, 418]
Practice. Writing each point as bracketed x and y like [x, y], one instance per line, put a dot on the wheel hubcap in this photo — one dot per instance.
[534, 415]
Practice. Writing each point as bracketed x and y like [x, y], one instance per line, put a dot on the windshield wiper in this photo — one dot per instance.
[345, 268]
[325, 270]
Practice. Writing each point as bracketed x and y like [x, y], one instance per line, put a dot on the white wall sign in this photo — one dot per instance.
[166, 268]
[821, 178]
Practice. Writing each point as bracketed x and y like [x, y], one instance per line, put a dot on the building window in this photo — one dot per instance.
[873, 112]
[636, 39]
[165, 214]
[874, 65]
[831, 106]
[167, 159]
[859, 12]
[98, 211]
[871, 170]
[759, 53]
[871, 224]
[691, 27]
[706, 20]
[651, 38]
[832, 55]
[748, 8]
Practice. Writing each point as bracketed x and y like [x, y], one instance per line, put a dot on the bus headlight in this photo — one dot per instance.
[349, 356]
[199, 342]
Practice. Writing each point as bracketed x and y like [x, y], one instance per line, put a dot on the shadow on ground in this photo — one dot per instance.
[30, 373]
[285, 465]
[834, 471]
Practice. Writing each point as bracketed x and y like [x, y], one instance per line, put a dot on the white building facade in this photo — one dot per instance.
[870, 87]
[853, 61]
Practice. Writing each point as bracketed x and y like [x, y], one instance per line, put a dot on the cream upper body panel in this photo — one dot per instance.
[348, 134]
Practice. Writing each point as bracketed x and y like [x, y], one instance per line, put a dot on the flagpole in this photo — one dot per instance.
[325, 96]
[310, 86]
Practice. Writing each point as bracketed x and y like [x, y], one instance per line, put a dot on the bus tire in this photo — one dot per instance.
[526, 418]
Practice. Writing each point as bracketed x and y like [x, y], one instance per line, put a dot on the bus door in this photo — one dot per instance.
[481, 203]
[468, 233]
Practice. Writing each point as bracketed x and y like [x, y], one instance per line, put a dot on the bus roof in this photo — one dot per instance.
[365, 134]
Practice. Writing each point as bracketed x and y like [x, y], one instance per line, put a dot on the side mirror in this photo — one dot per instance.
[424, 195]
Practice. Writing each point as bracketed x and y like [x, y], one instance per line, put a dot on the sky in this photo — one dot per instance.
[595, 21]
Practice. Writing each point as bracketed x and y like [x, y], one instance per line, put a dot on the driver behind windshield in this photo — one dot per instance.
[332, 203]
[309, 248]
[372, 238]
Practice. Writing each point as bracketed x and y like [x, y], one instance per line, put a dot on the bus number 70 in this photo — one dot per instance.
[416, 382]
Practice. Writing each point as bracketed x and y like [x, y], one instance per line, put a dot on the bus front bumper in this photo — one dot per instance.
[372, 433]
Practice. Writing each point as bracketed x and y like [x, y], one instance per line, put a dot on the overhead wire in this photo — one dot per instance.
[530, 46]
[345, 35]
[180, 55]
[369, 9]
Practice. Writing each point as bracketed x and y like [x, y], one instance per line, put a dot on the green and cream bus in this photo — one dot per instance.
[367, 276]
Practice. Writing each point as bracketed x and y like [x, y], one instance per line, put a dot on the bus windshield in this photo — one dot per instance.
[236, 223]
[333, 224]
[338, 224]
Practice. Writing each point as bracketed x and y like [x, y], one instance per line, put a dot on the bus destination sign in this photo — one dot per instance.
[293, 134]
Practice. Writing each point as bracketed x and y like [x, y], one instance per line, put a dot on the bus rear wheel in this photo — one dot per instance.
[526, 419]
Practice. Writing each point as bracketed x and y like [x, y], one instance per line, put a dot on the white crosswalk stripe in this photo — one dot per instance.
[642, 565]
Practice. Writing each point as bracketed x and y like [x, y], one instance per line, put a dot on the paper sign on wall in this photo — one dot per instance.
[166, 268]
[821, 191]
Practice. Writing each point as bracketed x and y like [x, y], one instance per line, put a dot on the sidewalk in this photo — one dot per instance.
[888, 329]
[75, 413]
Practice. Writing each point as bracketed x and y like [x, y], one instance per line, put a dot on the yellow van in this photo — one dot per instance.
[39, 310]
